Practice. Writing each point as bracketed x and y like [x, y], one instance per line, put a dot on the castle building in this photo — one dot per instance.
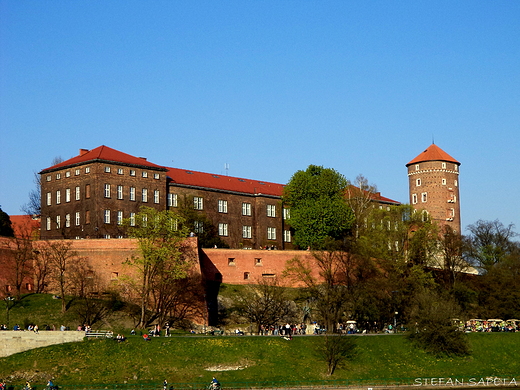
[433, 178]
[89, 195]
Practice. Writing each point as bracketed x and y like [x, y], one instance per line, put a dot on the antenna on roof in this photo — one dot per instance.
[433, 140]
[226, 167]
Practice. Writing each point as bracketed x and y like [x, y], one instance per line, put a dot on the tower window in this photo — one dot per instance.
[416, 167]
[424, 197]
[418, 182]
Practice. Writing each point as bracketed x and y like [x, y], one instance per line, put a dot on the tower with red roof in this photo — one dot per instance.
[433, 178]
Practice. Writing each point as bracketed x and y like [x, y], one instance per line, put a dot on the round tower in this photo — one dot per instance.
[433, 178]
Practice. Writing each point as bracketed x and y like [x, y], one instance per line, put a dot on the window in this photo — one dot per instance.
[258, 261]
[132, 193]
[132, 172]
[198, 203]
[119, 192]
[270, 276]
[77, 218]
[246, 209]
[120, 171]
[119, 217]
[49, 178]
[145, 174]
[443, 165]
[144, 195]
[78, 193]
[424, 197]
[231, 261]
[67, 195]
[414, 198]
[222, 206]
[172, 200]
[286, 213]
[246, 275]
[58, 197]
[58, 176]
[67, 220]
[198, 226]
[156, 176]
[107, 190]
[77, 172]
[156, 196]
[456, 167]
[58, 221]
[223, 229]
[271, 210]
[67, 174]
[418, 182]
[107, 169]
[49, 198]
[456, 183]
[87, 216]
[107, 216]
[87, 191]
[246, 231]
[132, 219]
[48, 225]
[416, 167]
[443, 182]
[87, 169]
[271, 233]
[287, 236]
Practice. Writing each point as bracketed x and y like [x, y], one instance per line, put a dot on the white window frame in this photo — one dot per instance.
[49, 223]
[67, 220]
[132, 219]
[156, 176]
[424, 197]
[78, 192]
[106, 216]
[145, 174]
[58, 221]
[414, 198]
[198, 226]
[246, 231]
[417, 182]
[132, 194]
[77, 172]
[87, 169]
[223, 229]
[77, 218]
[144, 195]
[120, 171]
[120, 192]
[172, 200]
[271, 233]
[198, 203]
[107, 190]
[156, 196]
[132, 172]
[49, 199]
[286, 213]
[271, 210]
[58, 197]
[67, 195]
[107, 169]
[287, 236]
[246, 209]
[222, 206]
[119, 217]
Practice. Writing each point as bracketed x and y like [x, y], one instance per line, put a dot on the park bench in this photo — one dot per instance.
[107, 334]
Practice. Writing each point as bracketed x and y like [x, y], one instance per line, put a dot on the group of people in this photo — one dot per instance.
[283, 330]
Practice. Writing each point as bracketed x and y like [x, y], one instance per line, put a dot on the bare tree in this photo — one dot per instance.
[360, 197]
[336, 350]
[41, 267]
[61, 258]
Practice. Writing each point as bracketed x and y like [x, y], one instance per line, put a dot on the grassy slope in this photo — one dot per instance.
[184, 359]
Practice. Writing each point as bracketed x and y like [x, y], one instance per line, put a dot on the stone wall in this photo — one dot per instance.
[12, 342]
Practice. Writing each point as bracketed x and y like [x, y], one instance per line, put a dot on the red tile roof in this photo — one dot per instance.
[221, 182]
[433, 153]
[24, 225]
[104, 153]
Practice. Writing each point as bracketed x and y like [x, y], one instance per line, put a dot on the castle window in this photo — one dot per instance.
[67, 220]
[246, 231]
[223, 229]
[271, 210]
[198, 203]
[87, 217]
[172, 200]
[258, 261]
[107, 169]
[418, 182]
[67, 195]
[246, 209]
[114, 275]
[58, 221]
[443, 182]
[287, 236]
[119, 192]
[286, 213]
[107, 216]
[119, 217]
[231, 261]
[107, 190]
[77, 218]
[87, 191]
[48, 224]
[132, 172]
[120, 171]
[87, 169]
[271, 233]
[132, 219]
[270, 276]
[77, 172]
[145, 174]
[144, 195]
[49, 198]
[222, 206]
[78, 193]
[58, 176]
[443, 165]
[156, 196]
[246, 275]
[456, 183]
[198, 226]
[67, 174]
[156, 176]
[416, 167]
[456, 167]
[132, 194]
[424, 197]
[49, 178]
[58, 197]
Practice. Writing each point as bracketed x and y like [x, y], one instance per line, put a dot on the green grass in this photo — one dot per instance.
[185, 360]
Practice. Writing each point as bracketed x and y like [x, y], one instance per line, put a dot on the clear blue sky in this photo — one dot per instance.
[267, 87]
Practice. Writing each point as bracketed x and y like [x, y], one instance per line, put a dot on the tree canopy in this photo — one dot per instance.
[5, 225]
[318, 206]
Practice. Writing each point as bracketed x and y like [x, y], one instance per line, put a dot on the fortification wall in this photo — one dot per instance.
[12, 342]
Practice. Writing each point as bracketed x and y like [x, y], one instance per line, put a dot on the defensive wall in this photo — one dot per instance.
[12, 342]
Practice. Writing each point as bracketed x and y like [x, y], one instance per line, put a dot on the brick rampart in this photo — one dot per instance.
[12, 342]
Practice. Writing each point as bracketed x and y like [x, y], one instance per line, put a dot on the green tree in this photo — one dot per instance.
[160, 236]
[318, 206]
[6, 229]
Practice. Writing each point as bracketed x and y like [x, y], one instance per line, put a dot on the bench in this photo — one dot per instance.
[106, 334]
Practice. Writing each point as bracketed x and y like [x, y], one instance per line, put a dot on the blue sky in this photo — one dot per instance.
[267, 87]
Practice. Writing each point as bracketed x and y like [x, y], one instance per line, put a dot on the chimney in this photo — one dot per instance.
[143, 158]
[83, 151]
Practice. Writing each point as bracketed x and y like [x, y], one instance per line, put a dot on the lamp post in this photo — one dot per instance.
[8, 306]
